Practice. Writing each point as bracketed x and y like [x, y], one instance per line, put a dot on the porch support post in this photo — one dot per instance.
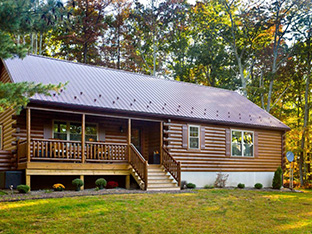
[161, 142]
[83, 138]
[28, 180]
[28, 123]
[82, 178]
[129, 139]
[127, 181]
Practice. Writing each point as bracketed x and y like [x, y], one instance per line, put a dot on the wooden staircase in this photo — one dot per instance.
[158, 179]
[166, 176]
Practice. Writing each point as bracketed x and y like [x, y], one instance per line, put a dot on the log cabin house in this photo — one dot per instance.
[156, 132]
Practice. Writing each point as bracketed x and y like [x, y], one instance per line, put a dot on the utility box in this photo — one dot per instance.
[8, 178]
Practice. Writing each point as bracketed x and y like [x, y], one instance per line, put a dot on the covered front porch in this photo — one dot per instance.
[66, 142]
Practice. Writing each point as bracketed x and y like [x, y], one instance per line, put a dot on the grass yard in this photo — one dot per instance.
[206, 211]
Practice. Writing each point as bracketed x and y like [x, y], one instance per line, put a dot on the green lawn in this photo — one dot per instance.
[206, 211]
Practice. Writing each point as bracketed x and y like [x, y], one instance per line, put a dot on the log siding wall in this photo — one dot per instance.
[7, 120]
[215, 157]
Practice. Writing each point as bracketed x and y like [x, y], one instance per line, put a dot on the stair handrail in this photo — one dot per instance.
[172, 166]
[139, 164]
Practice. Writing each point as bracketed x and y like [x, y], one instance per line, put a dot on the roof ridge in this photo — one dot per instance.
[139, 74]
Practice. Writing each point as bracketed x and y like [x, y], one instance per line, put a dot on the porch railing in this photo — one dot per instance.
[71, 151]
[139, 164]
[55, 150]
[22, 151]
[104, 152]
[172, 166]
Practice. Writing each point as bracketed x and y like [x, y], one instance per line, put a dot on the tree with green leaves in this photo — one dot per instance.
[17, 18]
[78, 39]
[116, 49]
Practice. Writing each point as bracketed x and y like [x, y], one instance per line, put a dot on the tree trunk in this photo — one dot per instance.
[36, 43]
[85, 51]
[40, 44]
[306, 114]
[242, 76]
[31, 43]
[118, 47]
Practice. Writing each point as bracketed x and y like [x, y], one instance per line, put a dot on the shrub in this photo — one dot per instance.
[307, 186]
[287, 182]
[258, 186]
[101, 183]
[111, 184]
[22, 188]
[208, 186]
[183, 184]
[221, 180]
[190, 186]
[78, 183]
[277, 179]
[241, 186]
[58, 187]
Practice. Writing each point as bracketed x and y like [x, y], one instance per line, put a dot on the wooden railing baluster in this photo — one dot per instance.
[171, 166]
[139, 164]
[61, 150]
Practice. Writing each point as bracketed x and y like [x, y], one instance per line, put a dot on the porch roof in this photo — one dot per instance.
[92, 86]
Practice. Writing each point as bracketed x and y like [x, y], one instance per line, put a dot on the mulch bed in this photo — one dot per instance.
[45, 194]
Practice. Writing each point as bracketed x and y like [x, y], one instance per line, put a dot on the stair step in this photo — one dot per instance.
[156, 173]
[154, 165]
[155, 169]
[162, 185]
[163, 189]
[160, 181]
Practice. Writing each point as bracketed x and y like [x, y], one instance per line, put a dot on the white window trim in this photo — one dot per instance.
[68, 127]
[243, 147]
[188, 136]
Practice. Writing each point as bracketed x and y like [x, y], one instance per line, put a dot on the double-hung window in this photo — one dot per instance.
[72, 131]
[193, 136]
[242, 143]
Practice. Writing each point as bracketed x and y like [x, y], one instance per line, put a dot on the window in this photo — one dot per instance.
[91, 132]
[193, 137]
[60, 130]
[242, 143]
[72, 131]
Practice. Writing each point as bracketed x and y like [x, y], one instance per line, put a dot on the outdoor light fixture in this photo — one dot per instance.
[121, 129]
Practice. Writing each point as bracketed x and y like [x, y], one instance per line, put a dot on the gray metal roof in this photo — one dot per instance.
[92, 86]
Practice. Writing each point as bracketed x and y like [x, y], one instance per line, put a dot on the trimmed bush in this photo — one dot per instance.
[258, 186]
[77, 183]
[208, 186]
[22, 188]
[111, 184]
[241, 186]
[277, 179]
[190, 186]
[101, 183]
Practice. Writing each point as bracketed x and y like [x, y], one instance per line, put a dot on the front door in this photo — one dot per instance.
[136, 139]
